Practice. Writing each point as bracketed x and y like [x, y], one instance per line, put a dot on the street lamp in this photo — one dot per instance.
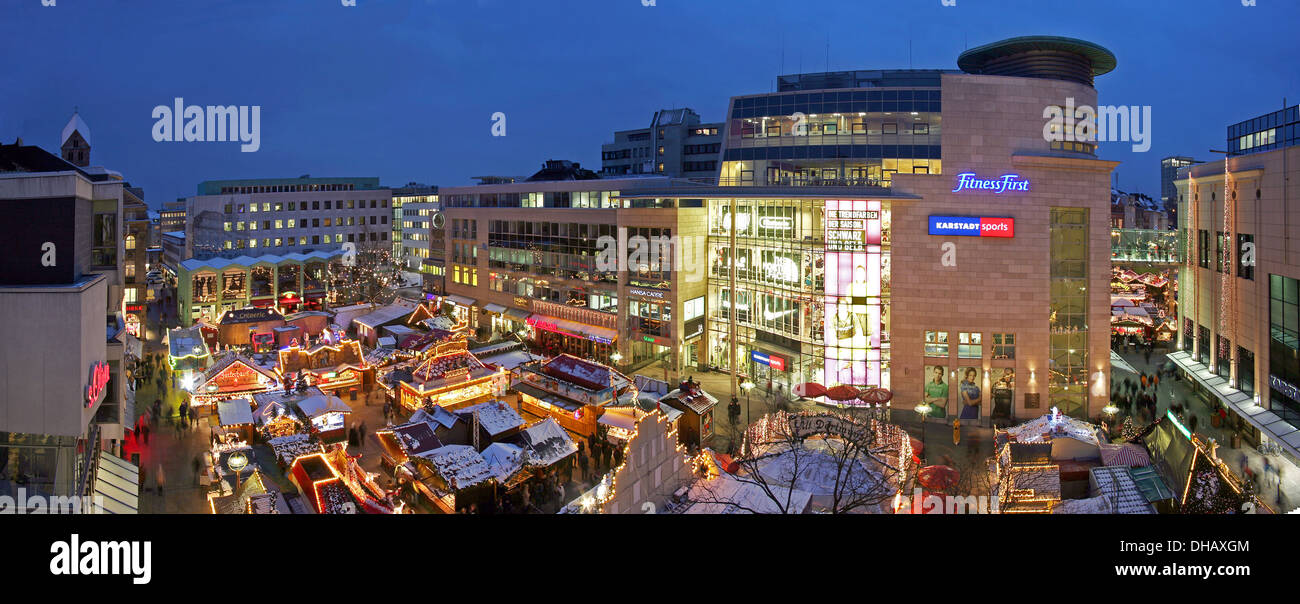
[616, 358]
[747, 386]
[923, 410]
[237, 462]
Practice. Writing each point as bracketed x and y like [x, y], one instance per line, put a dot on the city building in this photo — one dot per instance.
[171, 218]
[1169, 167]
[63, 395]
[528, 256]
[676, 144]
[208, 289]
[914, 230]
[413, 192]
[1238, 300]
[422, 239]
[1137, 211]
[285, 215]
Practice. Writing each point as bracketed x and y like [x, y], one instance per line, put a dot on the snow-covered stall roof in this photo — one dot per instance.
[439, 416]
[547, 443]
[235, 412]
[417, 437]
[460, 465]
[315, 406]
[495, 417]
[505, 459]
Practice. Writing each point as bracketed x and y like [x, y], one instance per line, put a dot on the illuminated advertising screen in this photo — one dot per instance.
[852, 328]
[328, 422]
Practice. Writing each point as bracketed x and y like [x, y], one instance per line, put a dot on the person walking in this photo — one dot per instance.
[196, 465]
[162, 481]
[144, 432]
[361, 435]
[582, 462]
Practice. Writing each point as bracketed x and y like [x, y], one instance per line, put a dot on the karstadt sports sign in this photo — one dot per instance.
[972, 226]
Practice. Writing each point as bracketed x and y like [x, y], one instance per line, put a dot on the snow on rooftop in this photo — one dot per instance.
[494, 416]
[460, 465]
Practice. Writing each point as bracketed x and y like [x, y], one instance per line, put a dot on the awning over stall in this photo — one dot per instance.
[462, 300]
[117, 486]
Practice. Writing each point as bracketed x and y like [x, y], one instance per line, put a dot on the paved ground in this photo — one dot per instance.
[1181, 391]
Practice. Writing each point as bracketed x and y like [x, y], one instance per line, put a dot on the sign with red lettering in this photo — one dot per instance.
[99, 376]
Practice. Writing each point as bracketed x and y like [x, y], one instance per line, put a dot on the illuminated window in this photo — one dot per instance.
[1004, 346]
[936, 343]
[969, 345]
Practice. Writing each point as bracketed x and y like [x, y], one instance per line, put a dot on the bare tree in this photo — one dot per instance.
[850, 464]
[366, 273]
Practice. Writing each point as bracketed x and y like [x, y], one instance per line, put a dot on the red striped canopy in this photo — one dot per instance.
[938, 478]
[809, 390]
[843, 392]
[1127, 454]
[875, 395]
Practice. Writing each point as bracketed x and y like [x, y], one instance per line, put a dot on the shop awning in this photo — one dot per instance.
[572, 328]
[1277, 429]
[117, 486]
[617, 419]
[462, 300]
[517, 314]
[547, 397]
[494, 308]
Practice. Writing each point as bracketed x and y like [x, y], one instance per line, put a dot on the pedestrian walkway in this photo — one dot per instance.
[1171, 389]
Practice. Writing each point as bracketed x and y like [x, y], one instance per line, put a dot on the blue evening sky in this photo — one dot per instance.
[405, 89]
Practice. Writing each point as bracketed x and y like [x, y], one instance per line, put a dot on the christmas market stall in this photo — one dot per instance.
[695, 426]
[1200, 480]
[239, 327]
[187, 352]
[231, 376]
[275, 415]
[291, 447]
[495, 420]
[320, 483]
[235, 419]
[334, 365]
[572, 391]
[369, 325]
[445, 375]
[651, 477]
[327, 415]
[450, 478]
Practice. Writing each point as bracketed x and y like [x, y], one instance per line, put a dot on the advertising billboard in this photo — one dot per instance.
[852, 327]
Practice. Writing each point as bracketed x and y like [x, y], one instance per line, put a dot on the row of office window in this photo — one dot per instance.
[970, 345]
[295, 206]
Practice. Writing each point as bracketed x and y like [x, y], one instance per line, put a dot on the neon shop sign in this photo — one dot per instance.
[99, 376]
[972, 226]
[1001, 184]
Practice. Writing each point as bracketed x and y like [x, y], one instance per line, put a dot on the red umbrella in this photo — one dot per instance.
[809, 390]
[843, 392]
[875, 395]
[938, 478]
[918, 447]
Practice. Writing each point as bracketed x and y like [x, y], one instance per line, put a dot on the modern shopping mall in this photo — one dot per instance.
[916, 230]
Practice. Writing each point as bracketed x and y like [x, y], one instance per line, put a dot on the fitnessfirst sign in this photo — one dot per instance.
[972, 226]
[1002, 184]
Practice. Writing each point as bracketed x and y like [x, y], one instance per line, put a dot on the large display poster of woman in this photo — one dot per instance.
[970, 393]
[936, 390]
[1004, 391]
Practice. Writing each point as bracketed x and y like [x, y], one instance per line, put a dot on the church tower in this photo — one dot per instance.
[76, 142]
